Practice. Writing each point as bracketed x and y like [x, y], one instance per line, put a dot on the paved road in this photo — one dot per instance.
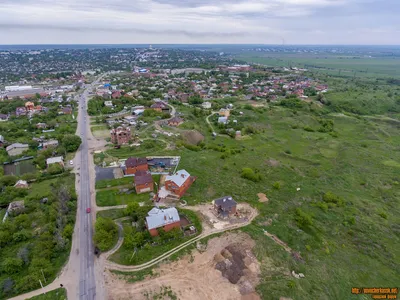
[87, 283]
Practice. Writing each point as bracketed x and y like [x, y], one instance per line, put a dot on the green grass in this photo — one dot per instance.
[111, 213]
[132, 277]
[112, 197]
[124, 255]
[57, 294]
[113, 182]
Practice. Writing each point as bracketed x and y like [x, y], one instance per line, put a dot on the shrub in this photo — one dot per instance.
[276, 185]
[323, 206]
[303, 219]
[330, 197]
[249, 174]
[308, 128]
[383, 215]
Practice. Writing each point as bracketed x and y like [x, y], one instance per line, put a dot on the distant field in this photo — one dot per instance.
[333, 65]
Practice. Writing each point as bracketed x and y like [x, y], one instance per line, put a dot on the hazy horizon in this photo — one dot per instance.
[292, 22]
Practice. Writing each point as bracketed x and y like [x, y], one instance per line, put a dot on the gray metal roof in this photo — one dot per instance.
[225, 202]
[53, 160]
[160, 217]
[179, 177]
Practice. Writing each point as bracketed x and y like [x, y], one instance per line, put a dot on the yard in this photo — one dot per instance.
[112, 197]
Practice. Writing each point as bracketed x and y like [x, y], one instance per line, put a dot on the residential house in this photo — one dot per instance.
[223, 120]
[120, 135]
[179, 182]
[108, 104]
[55, 160]
[29, 106]
[175, 121]
[16, 149]
[224, 112]
[4, 117]
[225, 206]
[166, 219]
[22, 184]
[116, 95]
[143, 182]
[160, 106]
[49, 144]
[66, 110]
[206, 105]
[20, 111]
[41, 125]
[134, 164]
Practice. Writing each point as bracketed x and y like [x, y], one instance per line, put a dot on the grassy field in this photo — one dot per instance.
[101, 184]
[100, 131]
[113, 197]
[330, 64]
[354, 242]
[57, 294]
[111, 213]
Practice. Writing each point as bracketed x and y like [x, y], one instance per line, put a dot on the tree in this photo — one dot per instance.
[71, 142]
[105, 233]
[11, 265]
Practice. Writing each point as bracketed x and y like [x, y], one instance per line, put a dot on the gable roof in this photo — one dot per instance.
[179, 177]
[135, 161]
[225, 202]
[142, 177]
[17, 145]
[160, 217]
[175, 120]
[53, 160]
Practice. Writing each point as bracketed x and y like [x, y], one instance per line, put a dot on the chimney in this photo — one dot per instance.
[183, 175]
[165, 218]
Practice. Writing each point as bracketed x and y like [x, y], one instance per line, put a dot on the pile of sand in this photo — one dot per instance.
[193, 137]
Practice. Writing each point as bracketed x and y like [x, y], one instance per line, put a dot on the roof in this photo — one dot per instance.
[160, 217]
[21, 182]
[53, 160]
[158, 104]
[225, 202]
[175, 120]
[179, 177]
[17, 145]
[135, 161]
[142, 177]
[50, 142]
[222, 119]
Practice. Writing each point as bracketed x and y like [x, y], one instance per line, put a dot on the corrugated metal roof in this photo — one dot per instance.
[160, 217]
[179, 177]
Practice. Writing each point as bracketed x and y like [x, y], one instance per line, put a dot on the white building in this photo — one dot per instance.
[206, 105]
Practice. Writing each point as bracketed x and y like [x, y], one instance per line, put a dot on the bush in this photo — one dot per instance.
[308, 128]
[330, 197]
[249, 174]
[303, 219]
[276, 185]
[71, 142]
[55, 169]
[105, 233]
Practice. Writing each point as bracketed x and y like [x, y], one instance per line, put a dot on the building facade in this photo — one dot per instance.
[120, 135]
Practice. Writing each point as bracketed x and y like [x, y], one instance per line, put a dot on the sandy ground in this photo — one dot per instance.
[210, 221]
[193, 277]
[262, 197]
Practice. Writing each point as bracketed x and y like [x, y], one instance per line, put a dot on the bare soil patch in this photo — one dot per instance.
[196, 277]
[262, 197]
[193, 137]
[273, 162]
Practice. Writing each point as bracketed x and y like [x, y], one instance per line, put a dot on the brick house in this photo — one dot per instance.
[225, 206]
[179, 182]
[134, 164]
[143, 182]
[175, 121]
[116, 95]
[120, 135]
[67, 110]
[160, 107]
[166, 219]
[21, 184]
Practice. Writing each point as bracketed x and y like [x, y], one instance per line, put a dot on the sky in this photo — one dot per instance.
[368, 22]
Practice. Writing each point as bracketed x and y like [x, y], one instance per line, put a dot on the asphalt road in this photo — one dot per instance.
[87, 283]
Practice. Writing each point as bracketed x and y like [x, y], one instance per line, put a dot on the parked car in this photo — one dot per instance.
[71, 162]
